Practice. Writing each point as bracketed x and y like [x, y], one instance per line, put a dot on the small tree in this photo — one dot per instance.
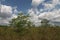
[44, 22]
[21, 22]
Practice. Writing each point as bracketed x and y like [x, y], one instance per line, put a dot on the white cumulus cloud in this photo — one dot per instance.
[6, 11]
[49, 11]
[6, 14]
[36, 2]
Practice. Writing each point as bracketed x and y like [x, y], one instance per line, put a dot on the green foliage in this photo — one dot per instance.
[33, 33]
[21, 22]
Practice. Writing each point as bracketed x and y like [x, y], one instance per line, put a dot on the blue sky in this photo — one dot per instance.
[22, 5]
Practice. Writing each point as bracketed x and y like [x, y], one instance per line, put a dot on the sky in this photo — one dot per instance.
[37, 9]
[22, 5]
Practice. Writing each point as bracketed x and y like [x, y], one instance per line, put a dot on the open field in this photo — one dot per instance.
[34, 33]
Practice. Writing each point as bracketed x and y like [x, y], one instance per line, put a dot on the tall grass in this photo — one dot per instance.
[33, 33]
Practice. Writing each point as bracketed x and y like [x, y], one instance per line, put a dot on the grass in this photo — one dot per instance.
[33, 33]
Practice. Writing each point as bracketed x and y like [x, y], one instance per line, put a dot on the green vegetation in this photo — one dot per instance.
[22, 29]
[33, 33]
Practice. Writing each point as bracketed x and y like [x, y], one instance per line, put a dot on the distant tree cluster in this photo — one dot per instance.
[45, 23]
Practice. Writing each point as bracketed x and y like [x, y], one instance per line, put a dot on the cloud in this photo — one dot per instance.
[56, 2]
[48, 6]
[6, 14]
[51, 5]
[15, 10]
[33, 17]
[50, 15]
[3, 21]
[54, 14]
[6, 11]
[36, 2]
[49, 11]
